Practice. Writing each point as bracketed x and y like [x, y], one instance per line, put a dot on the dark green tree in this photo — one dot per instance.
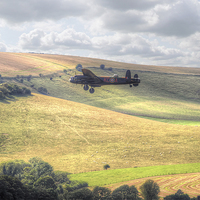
[150, 190]
[101, 193]
[61, 177]
[75, 185]
[179, 195]
[83, 194]
[13, 168]
[41, 168]
[79, 67]
[45, 182]
[12, 188]
[106, 166]
[102, 66]
[125, 192]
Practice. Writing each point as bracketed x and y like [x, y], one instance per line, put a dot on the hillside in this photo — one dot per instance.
[12, 64]
[168, 94]
[75, 137]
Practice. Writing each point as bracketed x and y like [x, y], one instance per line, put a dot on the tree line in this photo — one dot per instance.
[7, 90]
[36, 180]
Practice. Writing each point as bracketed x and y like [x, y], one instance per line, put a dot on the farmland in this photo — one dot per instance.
[79, 138]
[154, 124]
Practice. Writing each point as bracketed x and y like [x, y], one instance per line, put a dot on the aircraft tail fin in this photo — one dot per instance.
[128, 76]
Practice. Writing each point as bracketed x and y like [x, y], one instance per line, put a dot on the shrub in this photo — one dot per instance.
[106, 166]
[150, 190]
[2, 96]
[79, 67]
[75, 185]
[42, 90]
[102, 66]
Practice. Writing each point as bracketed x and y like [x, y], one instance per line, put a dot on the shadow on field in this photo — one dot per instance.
[10, 99]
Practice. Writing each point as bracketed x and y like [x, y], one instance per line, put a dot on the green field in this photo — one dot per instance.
[108, 177]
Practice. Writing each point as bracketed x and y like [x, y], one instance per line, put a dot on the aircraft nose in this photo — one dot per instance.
[71, 79]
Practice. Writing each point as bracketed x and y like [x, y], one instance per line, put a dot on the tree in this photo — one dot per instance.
[83, 194]
[40, 167]
[101, 193]
[125, 192]
[150, 190]
[29, 77]
[45, 182]
[179, 195]
[12, 188]
[60, 177]
[42, 90]
[102, 66]
[79, 67]
[13, 168]
[106, 166]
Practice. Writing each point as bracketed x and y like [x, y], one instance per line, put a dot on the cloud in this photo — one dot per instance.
[191, 43]
[180, 18]
[3, 47]
[36, 10]
[38, 40]
[160, 32]
[128, 4]
[117, 45]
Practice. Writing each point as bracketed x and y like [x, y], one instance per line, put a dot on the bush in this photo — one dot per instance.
[42, 90]
[125, 192]
[102, 66]
[101, 193]
[79, 67]
[83, 194]
[12, 89]
[61, 177]
[106, 166]
[75, 185]
[150, 190]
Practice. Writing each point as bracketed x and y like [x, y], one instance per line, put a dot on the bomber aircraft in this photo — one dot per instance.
[90, 79]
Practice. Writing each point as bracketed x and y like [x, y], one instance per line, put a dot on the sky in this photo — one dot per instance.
[151, 32]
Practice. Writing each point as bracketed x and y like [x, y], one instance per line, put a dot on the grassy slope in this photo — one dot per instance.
[54, 129]
[164, 93]
[158, 96]
[76, 138]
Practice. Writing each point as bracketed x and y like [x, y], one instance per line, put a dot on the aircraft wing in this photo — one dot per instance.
[87, 72]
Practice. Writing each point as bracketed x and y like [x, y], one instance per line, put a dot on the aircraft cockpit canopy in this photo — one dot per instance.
[115, 76]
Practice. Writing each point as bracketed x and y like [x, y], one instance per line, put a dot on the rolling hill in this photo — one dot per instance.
[78, 132]
[76, 137]
[169, 94]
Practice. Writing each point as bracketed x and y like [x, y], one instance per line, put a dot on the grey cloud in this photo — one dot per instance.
[181, 19]
[17, 11]
[129, 4]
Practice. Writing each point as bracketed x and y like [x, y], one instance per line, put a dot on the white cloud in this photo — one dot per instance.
[67, 39]
[159, 32]
[191, 43]
[3, 47]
